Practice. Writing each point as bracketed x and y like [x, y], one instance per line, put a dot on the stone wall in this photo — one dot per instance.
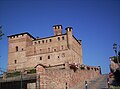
[62, 78]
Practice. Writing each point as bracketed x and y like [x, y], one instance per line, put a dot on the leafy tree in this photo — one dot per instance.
[1, 33]
[119, 53]
[116, 60]
[117, 77]
[117, 72]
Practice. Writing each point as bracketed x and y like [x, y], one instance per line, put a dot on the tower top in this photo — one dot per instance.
[57, 30]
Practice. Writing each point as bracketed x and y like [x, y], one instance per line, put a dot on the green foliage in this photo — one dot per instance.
[1, 33]
[116, 60]
[31, 71]
[115, 87]
[14, 74]
[116, 81]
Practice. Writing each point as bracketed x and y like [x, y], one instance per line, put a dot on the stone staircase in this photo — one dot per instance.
[99, 83]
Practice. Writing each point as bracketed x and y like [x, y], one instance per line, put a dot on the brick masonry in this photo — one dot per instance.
[51, 78]
[52, 56]
[25, 51]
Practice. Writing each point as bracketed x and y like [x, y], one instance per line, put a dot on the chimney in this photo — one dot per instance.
[57, 30]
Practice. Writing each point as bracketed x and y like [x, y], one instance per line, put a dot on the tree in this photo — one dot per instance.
[1, 33]
[119, 53]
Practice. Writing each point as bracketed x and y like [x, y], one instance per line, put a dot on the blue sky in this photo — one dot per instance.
[95, 22]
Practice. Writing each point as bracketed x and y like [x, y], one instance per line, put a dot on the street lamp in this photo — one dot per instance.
[116, 52]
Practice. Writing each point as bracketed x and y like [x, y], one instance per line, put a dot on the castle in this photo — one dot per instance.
[53, 62]
[25, 51]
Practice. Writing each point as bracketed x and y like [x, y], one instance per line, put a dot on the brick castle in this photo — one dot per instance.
[53, 62]
[25, 51]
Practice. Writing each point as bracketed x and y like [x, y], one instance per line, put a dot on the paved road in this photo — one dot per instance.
[99, 83]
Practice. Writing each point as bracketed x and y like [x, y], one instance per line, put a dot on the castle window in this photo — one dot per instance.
[63, 38]
[16, 48]
[58, 38]
[50, 40]
[39, 42]
[49, 57]
[40, 58]
[58, 57]
[54, 49]
[35, 42]
[42, 41]
[62, 47]
[22, 49]
[40, 49]
[46, 41]
[48, 49]
[15, 61]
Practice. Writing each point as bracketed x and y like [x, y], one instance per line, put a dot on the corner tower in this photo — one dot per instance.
[17, 45]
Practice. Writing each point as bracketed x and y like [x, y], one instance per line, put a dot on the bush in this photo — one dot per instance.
[31, 71]
[14, 74]
[117, 75]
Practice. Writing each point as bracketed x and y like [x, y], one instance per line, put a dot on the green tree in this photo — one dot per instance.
[1, 33]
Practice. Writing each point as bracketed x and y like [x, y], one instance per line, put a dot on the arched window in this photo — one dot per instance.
[42, 41]
[49, 57]
[63, 38]
[15, 61]
[48, 49]
[50, 40]
[58, 38]
[16, 48]
[40, 58]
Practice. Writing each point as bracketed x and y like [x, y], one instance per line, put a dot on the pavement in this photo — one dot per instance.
[99, 83]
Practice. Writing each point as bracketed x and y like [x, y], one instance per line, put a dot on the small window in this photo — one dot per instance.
[58, 57]
[48, 49]
[46, 41]
[40, 49]
[35, 42]
[50, 40]
[40, 58]
[54, 49]
[22, 49]
[42, 41]
[16, 48]
[39, 42]
[62, 47]
[48, 57]
[63, 38]
[58, 38]
[15, 61]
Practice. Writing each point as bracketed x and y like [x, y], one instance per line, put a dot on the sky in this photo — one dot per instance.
[95, 22]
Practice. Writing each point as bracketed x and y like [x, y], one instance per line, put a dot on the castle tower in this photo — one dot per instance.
[17, 50]
[69, 36]
[57, 30]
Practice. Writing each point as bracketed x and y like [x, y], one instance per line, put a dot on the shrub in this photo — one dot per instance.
[13, 74]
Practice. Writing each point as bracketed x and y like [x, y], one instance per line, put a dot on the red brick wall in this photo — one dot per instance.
[57, 78]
